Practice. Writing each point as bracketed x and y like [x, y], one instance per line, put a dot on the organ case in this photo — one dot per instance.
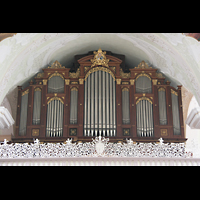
[100, 96]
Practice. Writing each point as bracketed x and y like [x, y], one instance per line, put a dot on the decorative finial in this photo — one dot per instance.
[99, 58]
[161, 140]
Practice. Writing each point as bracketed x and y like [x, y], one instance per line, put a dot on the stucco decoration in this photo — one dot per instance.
[25, 54]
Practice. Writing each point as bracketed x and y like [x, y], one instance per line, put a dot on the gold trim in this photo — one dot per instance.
[75, 75]
[25, 92]
[67, 81]
[74, 89]
[56, 74]
[154, 81]
[143, 74]
[173, 92]
[161, 89]
[143, 98]
[132, 81]
[95, 69]
[86, 68]
[159, 75]
[124, 75]
[55, 98]
[56, 65]
[118, 80]
[37, 89]
[81, 81]
[99, 58]
[44, 81]
[125, 83]
[74, 82]
[125, 89]
[40, 75]
[143, 65]
[113, 68]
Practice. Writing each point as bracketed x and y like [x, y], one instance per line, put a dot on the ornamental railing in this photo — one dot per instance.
[99, 147]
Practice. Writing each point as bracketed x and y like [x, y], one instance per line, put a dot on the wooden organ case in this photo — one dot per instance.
[99, 96]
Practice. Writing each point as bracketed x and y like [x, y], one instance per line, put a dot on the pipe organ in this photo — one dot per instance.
[97, 96]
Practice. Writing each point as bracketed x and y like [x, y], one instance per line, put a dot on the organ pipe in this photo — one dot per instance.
[144, 116]
[85, 107]
[100, 104]
[104, 102]
[23, 113]
[54, 127]
[114, 108]
[37, 106]
[96, 103]
[107, 105]
[73, 106]
[175, 113]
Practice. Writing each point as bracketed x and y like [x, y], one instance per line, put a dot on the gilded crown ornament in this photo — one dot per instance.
[99, 58]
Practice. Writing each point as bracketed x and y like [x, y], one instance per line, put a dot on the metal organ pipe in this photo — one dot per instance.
[96, 103]
[85, 107]
[54, 126]
[114, 111]
[100, 104]
[144, 116]
[111, 106]
[104, 102]
[107, 104]
[88, 111]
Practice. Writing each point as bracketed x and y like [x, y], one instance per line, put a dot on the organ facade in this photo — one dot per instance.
[99, 96]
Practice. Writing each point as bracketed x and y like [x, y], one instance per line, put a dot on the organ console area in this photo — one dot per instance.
[97, 96]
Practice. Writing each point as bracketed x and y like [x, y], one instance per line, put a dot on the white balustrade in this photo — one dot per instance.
[96, 153]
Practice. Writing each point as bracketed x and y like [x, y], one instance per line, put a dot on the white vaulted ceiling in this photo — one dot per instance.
[174, 54]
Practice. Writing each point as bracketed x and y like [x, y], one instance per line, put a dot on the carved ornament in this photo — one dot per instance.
[25, 92]
[56, 65]
[155, 81]
[81, 81]
[143, 65]
[95, 69]
[67, 81]
[56, 74]
[99, 58]
[143, 98]
[55, 98]
[124, 75]
[132, 81]
[118, 81]
[173, 92]
[44, 82]
[143, 74]
[161, 89]
[38, 89]
[75, 75]
[40, 75]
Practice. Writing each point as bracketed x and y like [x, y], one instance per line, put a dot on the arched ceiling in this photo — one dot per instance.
[25, 54]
